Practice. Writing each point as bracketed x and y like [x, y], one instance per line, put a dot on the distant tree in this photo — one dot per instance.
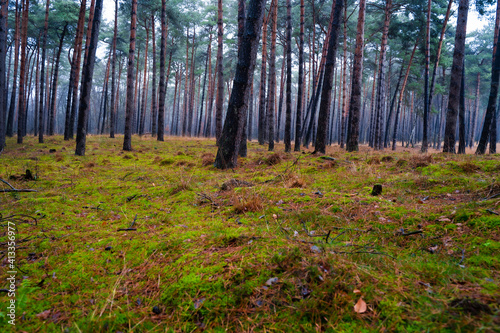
[220, 75]
[162, 88]
[230, 139]
[300, 91]
[455, 82]
[41, 109]
[288, 113]
[112, 115]
[22, 76]
[426, 78]
[86, 88]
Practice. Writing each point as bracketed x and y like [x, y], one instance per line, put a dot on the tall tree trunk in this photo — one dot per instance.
[490, 116]
[22, 75]
[104, 98]
[88, 72]
[237, 108]
[427, 104]
[461, 115]
[55, 80]
[72, 77]
[271, 101]
[41, 108]
[261, 131]
[401, 95]
[211, 84]
[12, 106]
[344, 85]
[142, 119]
[352, 142]
[129, 106]
[281, 97]
[474, 113]
[300, 92]
[380, 96]
[202, 104]
[242, 152]
[326, 93]
[288, 117]
[456, 72]
[220, 75]
[162, 87]
[3, 60]
[114, 100]
[493, 129]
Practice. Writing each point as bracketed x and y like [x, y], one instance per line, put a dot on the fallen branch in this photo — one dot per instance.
[13, 189]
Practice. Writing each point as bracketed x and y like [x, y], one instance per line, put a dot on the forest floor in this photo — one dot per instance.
[283, 243]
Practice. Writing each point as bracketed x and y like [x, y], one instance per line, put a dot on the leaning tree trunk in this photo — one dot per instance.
[22, 76]
[352, 142]
[220, 75]
[455, 82]
[326, 93]
[492, 100]
[88, 72]
[227, 153]
[3, 82]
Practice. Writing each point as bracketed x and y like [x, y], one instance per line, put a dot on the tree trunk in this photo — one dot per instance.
[461, 116]
[352, 142]
[55, 80]
[76, 50]
[490, 115]
[427, 103]
[129, 106]
[261, 131]
[300, 92]
[378, 143]
[344, 85]
[456, 72]
[144, 90]
[162, 87]
[12, 107]
[237, 108]
[22, 75]
[88, 72]
[474, 113]
[114, 99]
[271, 101]
[401, 95]
[326, 93]
[242, 152]
[288, 117]
[3, 60]
[220, 73]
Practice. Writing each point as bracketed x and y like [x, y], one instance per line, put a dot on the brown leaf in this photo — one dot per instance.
[360, 307]
[44, 315]
[356, 291]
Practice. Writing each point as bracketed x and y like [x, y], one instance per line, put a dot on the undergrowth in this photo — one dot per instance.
[157, 239]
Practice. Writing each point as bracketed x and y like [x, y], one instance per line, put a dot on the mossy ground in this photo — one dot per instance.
[203, 257]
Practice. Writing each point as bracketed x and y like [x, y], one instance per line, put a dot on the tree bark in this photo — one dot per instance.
[22, 76]
[271, 100]
[3, 81]
[300, 92]
[88, 72]
[55, 80]
[261, 131]
[456, 72]
[352, 142]
[288, 117]
[326, 93]
[230, 139]
[12, 106]
[427, 104]
[114, 100]
[461, 115]
[162, 87]
[220, 75]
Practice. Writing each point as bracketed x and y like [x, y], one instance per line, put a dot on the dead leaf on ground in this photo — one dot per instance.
[360, 307]
[44, 315]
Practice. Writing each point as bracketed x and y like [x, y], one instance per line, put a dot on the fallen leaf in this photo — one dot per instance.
[44, 315]
[357, 291]
[360, 307]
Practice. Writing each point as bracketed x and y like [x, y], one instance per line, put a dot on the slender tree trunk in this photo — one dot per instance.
[288, 118]
[237, 108]
[129, 106]
[461, 115]
[12, 107]
[456, 72]
[427, 103]
[74, 69]
[352, 143]
[344, 85]
[162, 87]
[3, 60]
[380, 97]
[202, 104]
[490, 115]
[41, 108]
[220, 73]
[88, 72]
[300, 92]
[281, 97]
[493, 129]
[142, 119]
[326, 93]
[104, 99]
[261, 133]
[241, 31]
[114, 99]
[55, 80]
[271, 101]
[22, 75]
